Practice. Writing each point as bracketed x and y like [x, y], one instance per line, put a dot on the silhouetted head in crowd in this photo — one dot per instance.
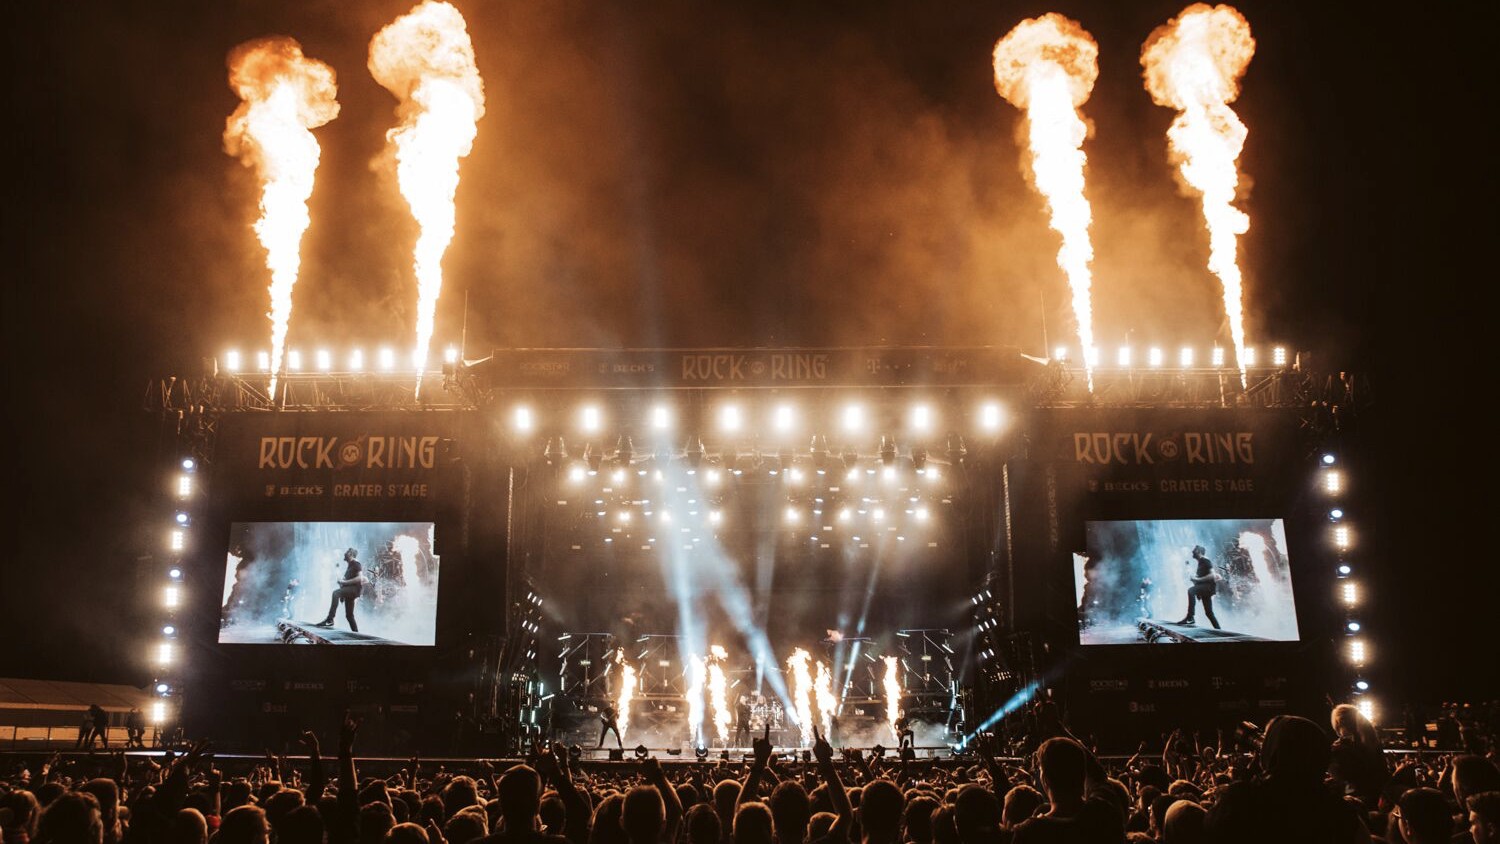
[644, 815]
[790, 811]
[1063, 764]
[1295, 751]
[725, 795]
[520, 793]
[553, 813]
[1021, 802]
[976, 814]
[375, 820]
[466, 825]
[1423, 817]
[916, 819]
[752, 824]
[819, 825]
[1183, 823]
[301, 825]
[606, 827]
[880, 811]
[1473, 775]
[24, 810]
[406, 833]
[1484, 817]
[72, 818]
[944, 830]
[703, 825]
[244, 825]
[189, 826]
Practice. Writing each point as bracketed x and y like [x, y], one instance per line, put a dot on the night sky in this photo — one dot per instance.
[688, 173]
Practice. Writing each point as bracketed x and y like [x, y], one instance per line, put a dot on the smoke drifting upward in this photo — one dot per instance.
[425, 58]
[1193, 63]
[1047, 66]
[284, 95]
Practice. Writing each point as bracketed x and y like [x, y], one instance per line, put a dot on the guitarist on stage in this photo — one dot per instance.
[609, 720]
[1204, 585]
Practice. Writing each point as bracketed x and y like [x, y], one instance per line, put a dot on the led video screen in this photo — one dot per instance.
[1184, 581]
[330, 583]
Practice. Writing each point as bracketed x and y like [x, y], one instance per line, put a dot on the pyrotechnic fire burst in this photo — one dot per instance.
[697, 673]
[627, 693]
[892, 694]
[1193, 64]
[823, 690]
[284, 95]
[802, 692]
[717, 688]
[1046, 66]
[425, 58]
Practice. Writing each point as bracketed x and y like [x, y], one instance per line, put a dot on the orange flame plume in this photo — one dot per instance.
[627, 692]
[283, 96]
[1193, 64]
[823, 690]
[426, 59]
[717, 692]
[802, 690]
[892, 695]
[1046, 66]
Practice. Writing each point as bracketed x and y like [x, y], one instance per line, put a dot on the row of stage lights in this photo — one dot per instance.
[387, 359]
[1356, 645]
[164, 655]
[1187, 357]
[734, 419]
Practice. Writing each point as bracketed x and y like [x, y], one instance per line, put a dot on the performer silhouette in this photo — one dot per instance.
[609, 721]
[742, 722]
[1204, 585]
[349, 588]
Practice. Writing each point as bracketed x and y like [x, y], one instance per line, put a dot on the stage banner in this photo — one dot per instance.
[740, 368]
[339, 465]
[1161, 461]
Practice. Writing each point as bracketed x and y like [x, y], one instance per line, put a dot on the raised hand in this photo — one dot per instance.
[762, 747]
[347, 732]
[822, 750]
[309, 740]
[651, 768]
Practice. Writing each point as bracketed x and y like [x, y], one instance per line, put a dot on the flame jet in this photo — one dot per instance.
[1193, 64]
[717, 688]
[283, 96]
[827, 704]
[627, 692]
[802, 693]
[892, 695]
[425, 58]
[1046, 67]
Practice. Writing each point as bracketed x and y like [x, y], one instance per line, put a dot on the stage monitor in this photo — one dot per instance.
[1184, 581]
[330, 583]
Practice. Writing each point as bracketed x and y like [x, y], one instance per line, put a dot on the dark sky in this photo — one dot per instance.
[688, 173]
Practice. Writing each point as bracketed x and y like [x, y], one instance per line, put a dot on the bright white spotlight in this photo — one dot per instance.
[729, 418]
[1352, 627]
[922, 514]
[921, 418]
[1362, 685]
[1345, 569]
[795, 475]
[357, 360]
[189, 464]
[324, 359]
[1249, 356]
[387, 359]
[1185, 357]
[1278, 356]
[661, 418]
[713, 476]
[1366, 708]
[575, 474]
[164, 653]
[450, 355]
[590, 419]
[1335, 514]
[1350, 594]
[990, 417]
[177, 539]
[232, 361]
[1357, 651]
[1341, 537]
[170, 596]
[522, 419]
[1093, 356]
[158, 712]
[716, 516]
[784, 419]
[263, 361]
[174, 573]
[1060, 353]
[169, 630]
[1122, 357]
[184, 486]
[844, 515]
[1333, 482]
[1329, 459]
[1217, 358]
[792, 516]
[162, 688]
[618, 476]
[854, 418]
[878, 514]
[888, 472]
[1155, 357]
[181, 518]
[624, 516]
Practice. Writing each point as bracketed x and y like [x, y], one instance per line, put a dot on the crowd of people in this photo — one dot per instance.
[1293, 781]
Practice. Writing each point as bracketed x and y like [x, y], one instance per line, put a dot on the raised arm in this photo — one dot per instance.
[823, 752]
[553, 766]
[316, 781]
[651, 768]
[749, 788]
